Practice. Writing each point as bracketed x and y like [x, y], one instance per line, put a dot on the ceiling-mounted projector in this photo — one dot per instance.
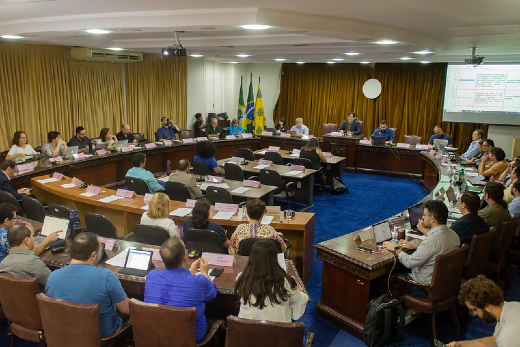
[176, 50]
[475, 59]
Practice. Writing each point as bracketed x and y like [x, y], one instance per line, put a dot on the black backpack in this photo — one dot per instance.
[337, 186]
[384, 324]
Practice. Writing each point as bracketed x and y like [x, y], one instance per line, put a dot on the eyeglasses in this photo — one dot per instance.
[472, 311]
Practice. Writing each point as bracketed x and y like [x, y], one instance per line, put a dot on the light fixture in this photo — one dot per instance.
[364, 62]
[280, 59]
[331, 62]
[196, 55]
[405, 58]
[338, 59]
[243, 55]
[385, 42]
[300, 62]
[97, 31]
[423, 52]
[115, 49]
[11, 37]
[233, 62]
[425, 62]
[255, 27]
[352, 53]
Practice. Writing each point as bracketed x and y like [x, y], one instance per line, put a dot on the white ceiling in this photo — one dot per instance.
[304, 30]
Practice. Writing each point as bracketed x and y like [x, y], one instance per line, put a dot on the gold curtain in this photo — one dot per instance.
[97, 96]
[157, 88]
[34, 93]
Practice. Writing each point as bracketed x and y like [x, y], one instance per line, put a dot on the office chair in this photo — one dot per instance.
[10, 199]
[200, 168]
[325, 128]
[233, 172]
[33, 208]
[246, 153]
[275, 157]
[149, 234]
[498, 258]
[284, 191]
[478, 254]
[177, 191]
[412, 139]
[244, 247]
[138, 185]
[101, 225]
[56, 210]
[318, 175]
[217, 194]
[206, 240]
[186, 134]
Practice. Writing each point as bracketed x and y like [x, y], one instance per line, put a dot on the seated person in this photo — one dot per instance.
[284, 302]
[485, 299]
[56, 147]
[20, 149]
[255, 210]
[7, 171]
[167, 130]
[182, 175]
[213, 130]
[300, 127]
[515, 173]
[235, 129]
[473, 150]
[281, 126]
[313, 152]
[157, 214]
[205, 153]
[514, 206]
[198, 125]
[200, 220]
[440, 135]
[496, 212]
[351, 126]
[384, 131]
[178, 285]
[125, 134]
[470, 223]
[106, 136]
[7, 219]
[482, 152]
[494, 164]
[138, 171]
[21, 261]
[83, 282]
[80, 139]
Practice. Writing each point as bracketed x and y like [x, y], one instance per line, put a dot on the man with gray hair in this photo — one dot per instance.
[473, 149]
[300, 127]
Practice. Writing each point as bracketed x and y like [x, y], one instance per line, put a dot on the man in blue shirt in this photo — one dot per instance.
[470, 223]
[473, 149]
[82, 282]
[7, 219]
[384, 131]
[300, 127]
[138, 171]
[167, 131]
[81, 140]
[514, 206]
[440, 135]
[176, 285]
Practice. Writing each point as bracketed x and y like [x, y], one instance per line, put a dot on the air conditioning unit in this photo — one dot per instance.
[97, 54]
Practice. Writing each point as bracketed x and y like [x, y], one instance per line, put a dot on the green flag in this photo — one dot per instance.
[241, 107]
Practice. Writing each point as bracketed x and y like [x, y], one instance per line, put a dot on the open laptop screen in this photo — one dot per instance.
[439, 142]
[138, 259]
[378, 140]
[382, 231]
[416, 213]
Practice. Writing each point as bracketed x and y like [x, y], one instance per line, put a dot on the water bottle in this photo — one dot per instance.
[331, 129]
[168, 167]
[77, 229]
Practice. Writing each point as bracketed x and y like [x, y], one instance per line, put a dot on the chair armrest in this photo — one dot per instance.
[242, 204]
[291, 186]
[413, 283]
[254, 178]
[213, 333]
[126, 237]
[124, 332]
[310, 338]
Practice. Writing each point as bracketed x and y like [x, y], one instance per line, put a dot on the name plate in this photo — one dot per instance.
[93, 190]
[336, 133]
[76, 181]
[273, 148]
[187, 140]
[129, 149]
[156, 254]
[148, 197]
[286, 135]
[432, 152]
[215, 179]
[365, 142]
[150, 145]
[327, 154]
[251, 183]
[101, 152]
[226, 207]
[247, 136]
[168, 143]
[231, 137]
[237, 160]
[267, 133]
[438, 155]
[449, 169]
[219, 259]
[443, 160]
[297, 167]
[109, 243]
[58, 176]
[125, 193]
[422, 147]
[202, 138]
[25, 167]
[58, 158]
[265, 162]
[190, 203]
[403, 145]
[441, 198]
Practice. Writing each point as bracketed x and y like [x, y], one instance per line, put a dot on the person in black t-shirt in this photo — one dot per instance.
[470, 223]
[125, 134]
[198, 125]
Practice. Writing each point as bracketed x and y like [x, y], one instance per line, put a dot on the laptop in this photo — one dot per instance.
[70, 151]
[438, 142]
[382, 232]
[415, 214]
[138, 263]
[378, 141]
[121, 144]
[476, 179]
[293, 133]
[102, 145]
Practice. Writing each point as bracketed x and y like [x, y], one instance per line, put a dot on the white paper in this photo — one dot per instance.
[223, 215]
[267, 220]
[453, 209]
[260, 167]
[68, 185]
[262, 152]
[87, 194]
[292, 173]
[295, 155]
[145, 207]
[163, 179]
[120, 259]
[472, 174]
[52, 224]
[181, 212]
[240, 190]
[111, 198]
[220, 185]
[47, 180]
[281, 261]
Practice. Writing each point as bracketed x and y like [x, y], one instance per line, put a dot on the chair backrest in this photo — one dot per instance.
[186, 134]
[137, 185]
[303, 161]
[10, 199]
[233, 172]
[200, 168]
[244, 247]
[504, 238]
[275, 157]
[33, 208]
[478, 254]
[159, 325]
[3, 155]
[206, 240]
[156, 137]
[447, 273]
[271, 178]
[395, 133]
[138, 136]
[255, 333]
[177, 191]
[246, 153]
[59, 211]
[360, 124]
[18, 299]
[218, 194]
[66, 323]
[412, 139]
[150, 234]
[100, 225]
[325, 128]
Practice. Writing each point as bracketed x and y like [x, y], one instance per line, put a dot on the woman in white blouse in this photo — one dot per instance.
[20, 150]
[157, 214]
[266, 291]
[106, 136]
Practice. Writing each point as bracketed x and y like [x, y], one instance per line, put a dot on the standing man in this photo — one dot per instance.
[493, 164]
[300, 127]
[351, 126]
[125, 134]
[55, 147]
[440, 135]
[384, 131]
[83, 282]
[198, 125]
[8, 169]
[473, 149]
[167, 130]
[182, 175]
[485, 299]
[213, 129]
[81, 140]
[138, 171]
[470, 223]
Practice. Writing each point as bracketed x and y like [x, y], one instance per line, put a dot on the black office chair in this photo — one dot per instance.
[246, 153]
[217, 194]
[10, 199]
[205, 240]
[244, 247]
[200, 168]
[177, 191]
[284, 191]
[33, 208]
[100, 225]
[150, 234]
[233, 172]
[275, 157]
[59, 211]
[156, 137]
[318, 176]
[137, 185]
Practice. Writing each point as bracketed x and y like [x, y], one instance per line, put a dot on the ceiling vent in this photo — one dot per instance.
[96, 54]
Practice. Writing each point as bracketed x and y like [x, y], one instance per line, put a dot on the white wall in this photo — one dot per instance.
[503, 137]
[196, 90]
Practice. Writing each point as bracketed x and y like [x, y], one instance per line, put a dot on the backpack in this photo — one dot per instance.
[384, 324]
[337, 186]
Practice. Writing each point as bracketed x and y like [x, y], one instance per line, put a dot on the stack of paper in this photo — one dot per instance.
[240, 190]
[223, 215]
[68, 185]
[292, 173]
[47, 180]
[260, 167]
[181, 212]
[111, 198]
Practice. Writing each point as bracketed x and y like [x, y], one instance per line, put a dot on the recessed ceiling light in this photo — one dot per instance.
[386, 42]
[97, 31]
[11, 37]
[280, 59]
[423, 52]
[405, 58]
[338, 59]
[243, 55]
[233, 62]
[255, 27]
[425, 62]
[196, 55]
[115, 49]
[364, 62]
[300, 62]
[331, 62]
[352, 53]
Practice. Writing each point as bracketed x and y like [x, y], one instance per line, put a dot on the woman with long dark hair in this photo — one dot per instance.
[200, 220]
[265, 290]
[20, 150]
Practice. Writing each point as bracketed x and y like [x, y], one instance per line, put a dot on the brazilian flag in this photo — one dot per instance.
[247, 123]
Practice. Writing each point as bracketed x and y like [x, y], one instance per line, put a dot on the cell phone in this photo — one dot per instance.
[364, 249]
[216, 271]
[437, 343]
[194, 253]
